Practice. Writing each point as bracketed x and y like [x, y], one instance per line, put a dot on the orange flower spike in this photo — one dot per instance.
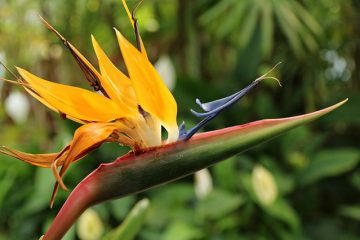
[131, 110]
[152, 94]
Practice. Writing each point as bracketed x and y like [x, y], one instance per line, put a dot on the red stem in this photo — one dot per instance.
[78, 201]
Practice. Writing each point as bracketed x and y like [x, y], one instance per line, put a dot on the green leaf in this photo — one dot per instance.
[351, 212]
[218, 204]
[134, 173]
[170, 204]
[249, 26]
[355, 180]
[307, 18]
[132, 224]
[7, 180]
[290, 33]
[39, 198]
[215, 12]
[329, 163]
[119, 208]
[267, 29]
[180, 230]
[235, 15]
[283, 211]
[226, 174]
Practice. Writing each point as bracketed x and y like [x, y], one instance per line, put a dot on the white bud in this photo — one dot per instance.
[203, 183]
[17, 106]
[90, 226]
[264, 185]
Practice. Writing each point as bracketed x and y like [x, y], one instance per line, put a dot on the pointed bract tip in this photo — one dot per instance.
[46, 23]
[118, 33]
[93, 40]
[51, 28]
[342, 102]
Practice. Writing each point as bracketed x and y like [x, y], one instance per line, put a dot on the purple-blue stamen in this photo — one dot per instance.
[214, 104]
[213, 109]
[182, 130]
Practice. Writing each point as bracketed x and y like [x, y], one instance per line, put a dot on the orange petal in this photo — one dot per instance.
[86, 138]
[117, 85]
[75, 102]
[151, 92]
[27, 87]
[40, 160]
[43, 101]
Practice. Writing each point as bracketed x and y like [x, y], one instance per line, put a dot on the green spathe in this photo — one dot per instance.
[134, 173]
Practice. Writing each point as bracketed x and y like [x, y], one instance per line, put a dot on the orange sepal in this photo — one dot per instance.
[117, 85]
[152, 93]
[39, 160]
[86, 138]
[76, 102]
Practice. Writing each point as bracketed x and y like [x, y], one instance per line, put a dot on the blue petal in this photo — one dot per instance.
[214, 104]
[182, 130]
[226, 102]
[213, 109]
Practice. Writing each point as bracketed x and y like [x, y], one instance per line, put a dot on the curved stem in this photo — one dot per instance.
[79, 200]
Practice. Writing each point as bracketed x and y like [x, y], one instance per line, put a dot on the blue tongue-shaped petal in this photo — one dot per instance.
[214, 108]
[220, 104]
[209, 106]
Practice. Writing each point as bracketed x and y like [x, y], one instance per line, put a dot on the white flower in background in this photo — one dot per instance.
[166, 70]
[264, 185]
[90, 226]
[152, 25]
[203, 183]
[17, 106]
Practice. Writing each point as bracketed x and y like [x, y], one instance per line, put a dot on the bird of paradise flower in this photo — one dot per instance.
[132, 110]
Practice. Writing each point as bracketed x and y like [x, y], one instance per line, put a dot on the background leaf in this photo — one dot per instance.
[132, 223]
[329, 163]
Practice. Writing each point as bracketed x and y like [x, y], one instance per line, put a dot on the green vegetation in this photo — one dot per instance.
[302, 185]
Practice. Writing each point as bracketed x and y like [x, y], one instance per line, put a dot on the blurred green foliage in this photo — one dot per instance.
[216, 47]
